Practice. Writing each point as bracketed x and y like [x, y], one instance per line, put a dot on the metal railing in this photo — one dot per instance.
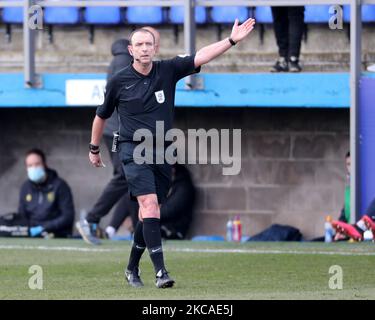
[31, 79]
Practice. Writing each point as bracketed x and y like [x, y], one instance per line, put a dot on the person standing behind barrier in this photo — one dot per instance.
[288, 25]
[116, 191]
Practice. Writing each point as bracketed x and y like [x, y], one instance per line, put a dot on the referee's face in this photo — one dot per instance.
[142, 48]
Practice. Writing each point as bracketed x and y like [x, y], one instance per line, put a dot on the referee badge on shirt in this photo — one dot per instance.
[160, 97]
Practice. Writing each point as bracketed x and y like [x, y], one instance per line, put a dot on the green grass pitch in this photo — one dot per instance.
[74, 270]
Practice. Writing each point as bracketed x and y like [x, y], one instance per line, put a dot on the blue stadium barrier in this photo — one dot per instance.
[102, 15]
[176, 15]
[227, 14]
[144, 15]
[317, 14]
[208, 238]
[368, 13]
[317, 90]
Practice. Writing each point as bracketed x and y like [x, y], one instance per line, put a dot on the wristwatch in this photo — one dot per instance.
[232, 42]
[94, 149]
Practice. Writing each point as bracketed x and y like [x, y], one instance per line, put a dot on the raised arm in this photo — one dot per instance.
[210, 52]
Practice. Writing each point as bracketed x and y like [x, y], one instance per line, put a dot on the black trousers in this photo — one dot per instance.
[288, 25]
[116, 191]
[119, 216]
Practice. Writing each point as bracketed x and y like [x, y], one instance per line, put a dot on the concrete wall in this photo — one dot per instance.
[292, 163]
[292, 159]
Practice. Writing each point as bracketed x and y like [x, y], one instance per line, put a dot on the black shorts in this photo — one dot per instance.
[145, 178]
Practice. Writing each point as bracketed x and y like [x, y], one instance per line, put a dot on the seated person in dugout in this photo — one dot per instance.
[45, 204]
[364, 229]
[344, 230]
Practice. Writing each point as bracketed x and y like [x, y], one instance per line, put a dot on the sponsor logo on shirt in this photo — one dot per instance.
[50, 196]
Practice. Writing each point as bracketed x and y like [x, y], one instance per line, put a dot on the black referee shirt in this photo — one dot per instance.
[143, 100]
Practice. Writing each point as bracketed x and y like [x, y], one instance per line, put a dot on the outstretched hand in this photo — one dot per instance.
[239, 32]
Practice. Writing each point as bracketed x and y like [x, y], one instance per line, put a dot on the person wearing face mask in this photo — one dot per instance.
[45, 204]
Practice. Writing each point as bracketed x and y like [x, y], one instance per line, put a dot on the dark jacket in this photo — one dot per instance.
[177, 212]
[121, 59]
[49, 204]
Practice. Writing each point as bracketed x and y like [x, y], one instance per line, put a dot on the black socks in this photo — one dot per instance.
[138, 248]
[152, 238]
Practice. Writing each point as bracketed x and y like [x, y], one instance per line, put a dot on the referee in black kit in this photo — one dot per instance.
[144, 93]
[116, 190]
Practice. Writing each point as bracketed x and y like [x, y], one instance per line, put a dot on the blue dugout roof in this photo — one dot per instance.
[316, 90]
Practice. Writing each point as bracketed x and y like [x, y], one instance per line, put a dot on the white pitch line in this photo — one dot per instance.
[79, 249]
[257, 251]
[192, 250]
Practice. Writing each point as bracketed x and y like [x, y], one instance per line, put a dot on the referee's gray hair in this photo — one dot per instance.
[140, 30]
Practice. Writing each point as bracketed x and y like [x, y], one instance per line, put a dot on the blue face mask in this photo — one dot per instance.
[36, 174]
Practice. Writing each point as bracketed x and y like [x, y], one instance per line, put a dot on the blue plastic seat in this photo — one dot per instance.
[102, 15]
[144, 15]
[317, 14]
[61, 15]
[227, 14]
[176, 15]
[263, 14]
[13, 15]
[368, 13]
